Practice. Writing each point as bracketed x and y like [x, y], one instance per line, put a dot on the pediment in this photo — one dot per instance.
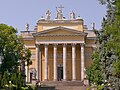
[59, 31]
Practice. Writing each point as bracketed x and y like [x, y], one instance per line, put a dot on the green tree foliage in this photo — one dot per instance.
[94, 74]
[5, 79]
[11, 48]
[16, 80]
[108, 39]
[25, 55]
[9, 44]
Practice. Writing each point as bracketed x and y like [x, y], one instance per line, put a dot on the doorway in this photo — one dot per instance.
[60, 73]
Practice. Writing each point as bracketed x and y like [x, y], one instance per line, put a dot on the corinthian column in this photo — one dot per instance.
[46, 63]
[55, 62]
[73, 62]
[64, 62]
[37, 61]
[82, 62]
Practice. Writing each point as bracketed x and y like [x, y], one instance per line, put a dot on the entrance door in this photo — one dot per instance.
[31, 77]
[60, 73]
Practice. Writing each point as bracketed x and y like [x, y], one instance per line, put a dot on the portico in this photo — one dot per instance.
[64, 60]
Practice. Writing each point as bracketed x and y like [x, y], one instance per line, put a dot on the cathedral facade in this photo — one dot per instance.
[61, 49]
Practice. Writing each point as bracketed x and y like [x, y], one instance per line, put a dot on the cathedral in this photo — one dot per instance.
[61, 48]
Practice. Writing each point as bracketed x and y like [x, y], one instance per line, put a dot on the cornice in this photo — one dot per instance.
[80, 21]
[52, 35]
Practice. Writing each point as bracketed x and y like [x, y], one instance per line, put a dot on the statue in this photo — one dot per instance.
[93, 26]
[27, 27]
[59, 13]
[33, 72]
[47, 15]
[72, 15]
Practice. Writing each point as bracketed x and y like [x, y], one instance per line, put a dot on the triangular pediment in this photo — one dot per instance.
[59, 31]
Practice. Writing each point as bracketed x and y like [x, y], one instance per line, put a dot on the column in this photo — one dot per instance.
[37, 61]
[64, 62]
[55, 62]
[46, 63]
[82, 62]
[73, 62]
[26, 72]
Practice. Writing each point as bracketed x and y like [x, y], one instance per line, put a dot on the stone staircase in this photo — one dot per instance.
[64, 85]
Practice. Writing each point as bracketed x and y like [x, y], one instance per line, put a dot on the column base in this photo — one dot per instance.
[64, 80]
[45, 79]
[55, 80]
[74, 80]
[86, 82]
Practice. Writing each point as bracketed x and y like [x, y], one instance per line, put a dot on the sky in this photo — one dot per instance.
[17, 13]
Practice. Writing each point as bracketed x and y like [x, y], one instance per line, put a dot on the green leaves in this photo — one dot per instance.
[116, 71]
[5, 79]
[94, 73]
[12, 49]
[106, 60]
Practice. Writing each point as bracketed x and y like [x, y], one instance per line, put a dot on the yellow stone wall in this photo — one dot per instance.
[77, 26]
[88, 55]
[90, 41]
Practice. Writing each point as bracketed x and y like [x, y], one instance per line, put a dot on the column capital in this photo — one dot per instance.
[37, 45]
[46, 44]
[64, 44]
[82, 44]
[55, 45]
[73, 44]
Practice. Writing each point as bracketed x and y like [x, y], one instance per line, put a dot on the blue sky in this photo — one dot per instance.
[19, 12]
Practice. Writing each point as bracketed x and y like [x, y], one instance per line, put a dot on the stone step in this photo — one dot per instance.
[62, 83]
[71, 87]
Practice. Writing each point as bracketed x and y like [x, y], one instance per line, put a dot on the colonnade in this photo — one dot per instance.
[64, 61]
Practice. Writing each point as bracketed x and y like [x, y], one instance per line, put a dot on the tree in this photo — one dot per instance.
[94, 73]
[108, 39]
[25, 55]
[5, 79]
[111, 30]
[11, 47]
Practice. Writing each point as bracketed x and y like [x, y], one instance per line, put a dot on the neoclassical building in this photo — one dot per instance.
[61, 49]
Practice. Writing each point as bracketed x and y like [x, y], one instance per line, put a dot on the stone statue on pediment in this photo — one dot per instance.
[27, 27]
[47, 15]
[59, 15]
[72, 15]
